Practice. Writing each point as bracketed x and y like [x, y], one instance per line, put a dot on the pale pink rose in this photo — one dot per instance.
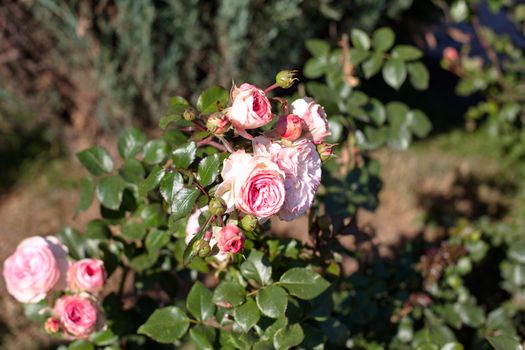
[230, 239]
[250, 108]
[289, 127]
[302, 167]
[252, 184]
[314, 118]
[36, 267]
[86, 275]
[78, 315]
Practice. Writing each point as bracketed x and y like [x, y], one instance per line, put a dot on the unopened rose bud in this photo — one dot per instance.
[325, 151]
[230, 239]
[52, 325]
[248, 223]
[201, 248]
[285, 78]
[217, 206]
[218, 123]
[189, 113]
[289, 127]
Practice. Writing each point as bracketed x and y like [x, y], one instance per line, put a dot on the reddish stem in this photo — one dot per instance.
[270, 88]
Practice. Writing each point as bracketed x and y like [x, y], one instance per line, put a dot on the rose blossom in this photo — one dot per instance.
[302, 167]
[78, 315]
[37, 266]
[314, 118]
[86, 275]
[289, 127]
[250, 108]
[230, 239]
[52, 325]
[252, 184]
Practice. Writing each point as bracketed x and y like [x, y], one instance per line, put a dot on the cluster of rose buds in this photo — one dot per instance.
[278, 175]
[39, 269]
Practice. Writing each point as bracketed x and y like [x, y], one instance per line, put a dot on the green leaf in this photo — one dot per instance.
[357, 56]
[315, 67]
[183, 202]
[503, 342]
[153, 180]
[199, 302]
[459, 10]
[132, 171]
[247, 315]
[87, 193]
[74, 242]
[155, 151]
[131, 142]
[209, 169]
[272, 301]
[472, 315]
[212, 100]
[303, 283]
[170, 184]
[184, 155]
[156, 240]
[96, 159]
[103, 338]
[166, 325]
[395, 73]
[263, 345]
[177, 106]
[360, 39]
[203, 337]
[229, 294]
[318, 47]
[399, 137]
[373, 65]
[133, 230]
[418, 75]
[257, 268]
[406, 52]
[383, 39]
[288, 337]
[419, 123]
[109, 191]
[517, 252]
[81, 345]
[452, 346]
[377, 111]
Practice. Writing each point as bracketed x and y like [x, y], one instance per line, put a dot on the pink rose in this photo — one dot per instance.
[37, 266]
[302, 167]
[52, 325]
[250, 108]
[86, 275]
[78, 315]
[314, 118]
[450, 54]
[230, 239]
[252, 184]
[289, 127]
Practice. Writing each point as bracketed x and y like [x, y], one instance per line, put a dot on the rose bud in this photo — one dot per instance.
[314, 118]
[218, 123]
[230, 239]
[289, 127]
[325, 151]
[86, 275]
[217, 206]
[248, 223]
[78, 315]
[285, 78]
[52, 325]
[37, 266]
[189, 113]
[201, 248]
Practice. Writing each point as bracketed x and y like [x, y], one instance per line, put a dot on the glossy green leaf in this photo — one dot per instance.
[155, 151]
[183, 202]
[419, 123]
[156, 240]
[109, 191]
[152, 180]
[184, 155]
[96, 159]
[132, 171]
[257, 268]
[418, 75]
[272, 301]
[303, 283]
[170, 184]
[81, 345]
[406, 52]
[395, 73]
[377, 111]
[213, 99]
[399, 137]
[360, 39]
[373, 65]
[288, 337]
[176, 108]
[103, 338]
[247, 315]
[203, 337]
[472, 315]
[503, 342]
[166, 325]
[199, 302]
[383, 39]
[74, 242]
[315, 67]
[229, 294]
[131, 142]
[133, 230]
[209, 169]
[318, 47]
[87, 193]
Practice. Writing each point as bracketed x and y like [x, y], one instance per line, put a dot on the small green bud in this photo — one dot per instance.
[285, 78]
[248, 223]
[218, 123]
[201, 248]
[189, 113]
[325, 151]
[217, 206]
